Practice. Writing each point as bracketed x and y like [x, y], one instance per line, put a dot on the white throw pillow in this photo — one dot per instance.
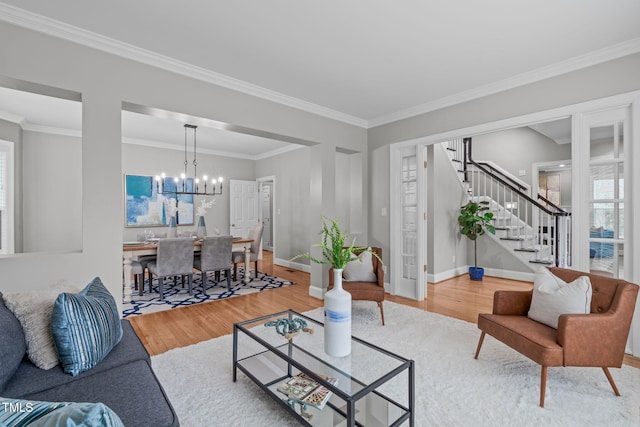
[360, 269]
[33, 310]
[553, 296]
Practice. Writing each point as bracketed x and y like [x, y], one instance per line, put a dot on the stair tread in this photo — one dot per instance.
[541, 261]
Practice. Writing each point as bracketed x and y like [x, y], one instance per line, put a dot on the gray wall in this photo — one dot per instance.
[292, 216]
[52, 192]
[611, 78]
[13, 132]
[105, 81]
[445, 196]
[517, 149]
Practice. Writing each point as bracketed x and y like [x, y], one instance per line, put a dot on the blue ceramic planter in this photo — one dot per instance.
[476, 273]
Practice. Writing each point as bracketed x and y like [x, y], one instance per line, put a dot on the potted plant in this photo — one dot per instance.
[474, 221]
[337, 302]
[334, 247]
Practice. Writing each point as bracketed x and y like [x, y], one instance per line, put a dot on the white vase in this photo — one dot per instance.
[173, 227]
[201, 230]
[337, 319]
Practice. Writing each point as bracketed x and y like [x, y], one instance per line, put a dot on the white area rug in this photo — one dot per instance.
[501, 388]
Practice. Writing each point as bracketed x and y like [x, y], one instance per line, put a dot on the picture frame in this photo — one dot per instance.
[144, 207]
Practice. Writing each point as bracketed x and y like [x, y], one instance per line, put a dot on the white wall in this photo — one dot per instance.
[105, 81]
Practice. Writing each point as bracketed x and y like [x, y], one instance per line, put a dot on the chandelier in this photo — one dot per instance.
[186, 184]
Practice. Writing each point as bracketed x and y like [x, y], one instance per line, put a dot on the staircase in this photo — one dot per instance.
[532, 227]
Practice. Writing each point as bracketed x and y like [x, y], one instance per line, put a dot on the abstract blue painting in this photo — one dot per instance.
[144, 207]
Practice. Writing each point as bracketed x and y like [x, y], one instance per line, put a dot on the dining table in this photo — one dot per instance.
[133, 250]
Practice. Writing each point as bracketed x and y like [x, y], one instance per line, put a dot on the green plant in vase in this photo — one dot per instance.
[475, 221]
[337, 302]
[335, 250]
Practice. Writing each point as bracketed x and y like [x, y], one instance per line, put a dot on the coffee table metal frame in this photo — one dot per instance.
[406, 365]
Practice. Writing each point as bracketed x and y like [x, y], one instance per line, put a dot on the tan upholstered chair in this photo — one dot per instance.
[597, 339]
[368, 291]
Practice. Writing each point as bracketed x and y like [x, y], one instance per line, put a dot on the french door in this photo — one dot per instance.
[408, 222]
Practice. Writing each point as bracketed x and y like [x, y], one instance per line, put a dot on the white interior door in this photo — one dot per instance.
[244, 207]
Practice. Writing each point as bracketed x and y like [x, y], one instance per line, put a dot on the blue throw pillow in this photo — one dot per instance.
[85, 327]
[19, 413]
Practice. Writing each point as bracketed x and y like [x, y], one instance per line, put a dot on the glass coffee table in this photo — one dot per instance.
[370, 387]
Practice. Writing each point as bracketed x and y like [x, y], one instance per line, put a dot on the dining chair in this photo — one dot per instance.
[175, 258]
[139, 265]
[215, 255]
[255, 234]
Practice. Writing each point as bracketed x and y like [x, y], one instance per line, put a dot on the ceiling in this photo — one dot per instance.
[365, 62]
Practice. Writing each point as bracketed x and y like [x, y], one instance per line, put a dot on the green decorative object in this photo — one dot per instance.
[290, 328]
[475, 221]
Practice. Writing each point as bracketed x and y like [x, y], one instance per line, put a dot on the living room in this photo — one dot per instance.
[36, 50]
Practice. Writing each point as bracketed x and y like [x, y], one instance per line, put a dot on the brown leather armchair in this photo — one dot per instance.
[597, 339]
[368, 291]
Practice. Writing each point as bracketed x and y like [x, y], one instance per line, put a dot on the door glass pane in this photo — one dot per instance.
[409, 196]
[607, 142]
[409, 217]
[607, 259]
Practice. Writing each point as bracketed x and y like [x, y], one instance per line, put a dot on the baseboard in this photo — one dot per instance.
[439, 277]
[508, 274]
[316, 292]
[290, 264]
[494, 272]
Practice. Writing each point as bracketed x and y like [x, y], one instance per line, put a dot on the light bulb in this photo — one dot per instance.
[183, 176]
[204, 178]
[213, 181]
[163, 175]
[220, 179]
[176, 180]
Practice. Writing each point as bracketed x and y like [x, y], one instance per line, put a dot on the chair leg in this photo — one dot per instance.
[479, 345]
[161, 287]
[140, 282]
[610, 378]
[543, 385]
[381, 311]
[190, 282]
[204, 282]
[256, 268]
[228, 273]
[235, 271]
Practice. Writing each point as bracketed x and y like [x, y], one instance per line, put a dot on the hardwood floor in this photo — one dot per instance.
[458, 297]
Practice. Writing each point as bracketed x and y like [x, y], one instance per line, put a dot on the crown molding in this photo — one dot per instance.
[619, 50]
[74, 34]
[31, 127]
[13, 118]
[169, 146]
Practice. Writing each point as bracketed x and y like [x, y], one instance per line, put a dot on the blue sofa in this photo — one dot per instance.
[124, 380]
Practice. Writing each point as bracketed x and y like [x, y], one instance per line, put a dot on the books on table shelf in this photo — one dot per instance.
[306, 390]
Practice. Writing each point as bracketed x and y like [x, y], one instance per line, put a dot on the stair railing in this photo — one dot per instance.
[540, 226]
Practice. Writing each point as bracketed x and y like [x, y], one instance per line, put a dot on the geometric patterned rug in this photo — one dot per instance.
[177, 296]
